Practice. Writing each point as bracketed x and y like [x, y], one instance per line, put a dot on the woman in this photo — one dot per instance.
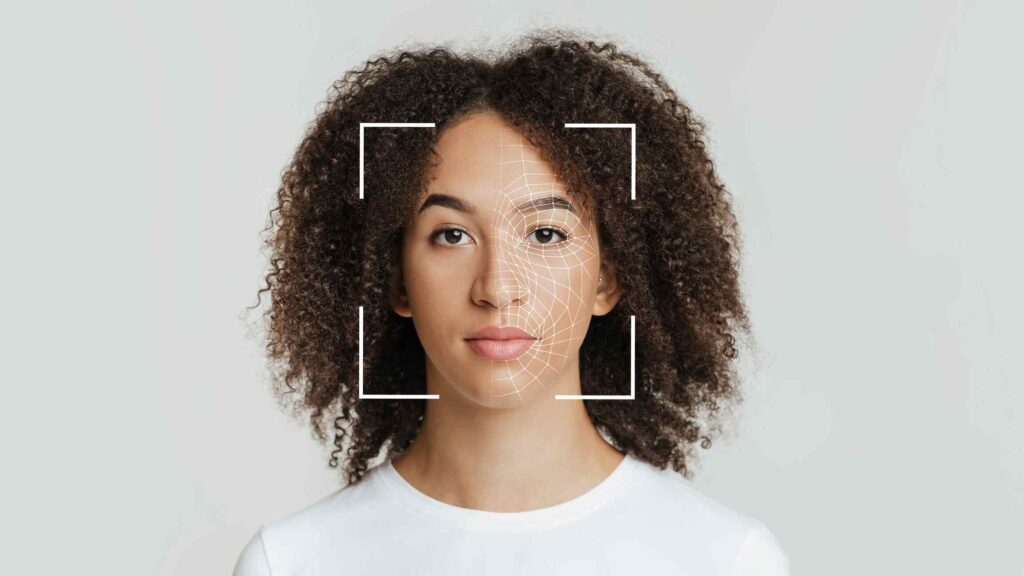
[534, 324]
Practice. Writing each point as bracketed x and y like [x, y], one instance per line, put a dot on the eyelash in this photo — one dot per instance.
[565, 235]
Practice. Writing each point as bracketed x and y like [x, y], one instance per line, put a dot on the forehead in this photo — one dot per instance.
[485, 160]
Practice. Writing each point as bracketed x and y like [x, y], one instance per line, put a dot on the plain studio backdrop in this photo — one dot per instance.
[872, 149]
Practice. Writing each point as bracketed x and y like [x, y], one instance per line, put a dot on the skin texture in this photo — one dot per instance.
[671, 257]
[497, 432]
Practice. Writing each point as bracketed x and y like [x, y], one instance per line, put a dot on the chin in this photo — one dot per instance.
[502, 392]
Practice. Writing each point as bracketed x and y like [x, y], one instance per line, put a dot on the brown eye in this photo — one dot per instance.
[545, 235]
[452, 236]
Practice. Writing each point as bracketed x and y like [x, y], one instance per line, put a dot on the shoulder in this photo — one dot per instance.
[670, 495]
[281, 545]
[253, 559]
[675, 506]
[761, 554]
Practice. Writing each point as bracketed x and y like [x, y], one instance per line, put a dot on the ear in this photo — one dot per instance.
[397, 295]
[608, 291]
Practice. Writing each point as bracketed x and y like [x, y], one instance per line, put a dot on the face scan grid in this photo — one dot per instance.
[533, 265]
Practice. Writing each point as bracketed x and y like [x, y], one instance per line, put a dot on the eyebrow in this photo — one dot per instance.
[546, 203]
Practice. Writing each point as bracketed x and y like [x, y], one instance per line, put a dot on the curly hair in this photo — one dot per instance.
[674, 249]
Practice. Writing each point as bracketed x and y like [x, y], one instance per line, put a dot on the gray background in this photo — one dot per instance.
[872, 149]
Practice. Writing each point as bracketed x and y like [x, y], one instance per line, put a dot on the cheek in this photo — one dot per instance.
[563, 285]
[432, 281]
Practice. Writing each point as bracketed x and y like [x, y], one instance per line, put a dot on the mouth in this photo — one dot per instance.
[507, 349]
[500, 343]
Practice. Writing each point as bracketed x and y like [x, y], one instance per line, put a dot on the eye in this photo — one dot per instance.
[454, 234]
[547, 234]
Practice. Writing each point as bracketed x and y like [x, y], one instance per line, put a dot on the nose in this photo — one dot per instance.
[503, 276]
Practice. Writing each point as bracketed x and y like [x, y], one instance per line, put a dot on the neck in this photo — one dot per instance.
[506, 460]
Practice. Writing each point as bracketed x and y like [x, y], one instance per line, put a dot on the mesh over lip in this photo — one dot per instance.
[526, 337]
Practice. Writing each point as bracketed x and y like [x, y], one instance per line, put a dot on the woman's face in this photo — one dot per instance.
[497, 241]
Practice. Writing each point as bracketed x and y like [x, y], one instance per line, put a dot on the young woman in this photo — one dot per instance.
[536, 325]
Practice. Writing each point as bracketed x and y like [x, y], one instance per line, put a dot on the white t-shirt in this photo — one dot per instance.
[638, 520]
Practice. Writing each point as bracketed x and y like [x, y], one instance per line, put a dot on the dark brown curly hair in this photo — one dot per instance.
[674, 249]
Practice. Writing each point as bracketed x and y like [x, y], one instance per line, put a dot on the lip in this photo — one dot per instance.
[499, 343]
[506, 349]
[491, 332]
